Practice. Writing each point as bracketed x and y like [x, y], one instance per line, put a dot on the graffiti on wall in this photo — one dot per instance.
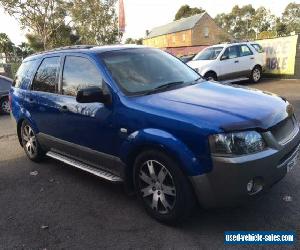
[280, 54]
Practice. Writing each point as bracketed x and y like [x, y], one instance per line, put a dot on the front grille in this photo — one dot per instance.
[285, 130]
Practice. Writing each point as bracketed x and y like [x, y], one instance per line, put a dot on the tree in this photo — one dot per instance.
[238, 21]
[186, 11]
[281, 28]
[263, 21]
[291, 18]
[42, 17]
[134, 41]
[6, 46]
[95, 21]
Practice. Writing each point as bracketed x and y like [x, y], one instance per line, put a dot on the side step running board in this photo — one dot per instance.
[77, 164]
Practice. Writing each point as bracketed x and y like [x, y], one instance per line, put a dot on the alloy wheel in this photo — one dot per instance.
[256, 74]
[29, 141]
[5, 107]
[157, 187]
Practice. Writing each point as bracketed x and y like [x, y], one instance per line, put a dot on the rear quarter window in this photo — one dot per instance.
[24, 73]
[257, 47]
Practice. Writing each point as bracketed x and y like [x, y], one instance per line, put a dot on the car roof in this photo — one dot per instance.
[85, 49]
[231, 44]
[6, 78]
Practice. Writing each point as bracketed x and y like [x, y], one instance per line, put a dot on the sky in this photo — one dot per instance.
[142, 15]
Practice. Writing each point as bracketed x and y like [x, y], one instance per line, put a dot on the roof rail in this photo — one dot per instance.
[67, 48]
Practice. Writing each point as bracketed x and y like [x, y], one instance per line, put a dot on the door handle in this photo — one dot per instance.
[63, 108]
[251, 58]
[236, 61]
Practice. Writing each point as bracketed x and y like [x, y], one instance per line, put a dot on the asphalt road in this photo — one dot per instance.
[64, 208]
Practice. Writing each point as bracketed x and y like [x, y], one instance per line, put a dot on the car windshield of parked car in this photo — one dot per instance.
[208, 54]
[145, 70]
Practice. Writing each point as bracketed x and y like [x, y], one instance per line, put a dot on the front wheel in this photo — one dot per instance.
[162, 187]
[30, 144]
[256, 74]
[4, 106]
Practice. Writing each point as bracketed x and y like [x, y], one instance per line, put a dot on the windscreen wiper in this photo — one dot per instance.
[168, 85]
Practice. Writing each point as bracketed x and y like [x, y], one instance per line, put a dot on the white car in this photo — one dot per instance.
[230, 61]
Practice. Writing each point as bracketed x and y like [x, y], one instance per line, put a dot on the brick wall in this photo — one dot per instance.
[207, 32]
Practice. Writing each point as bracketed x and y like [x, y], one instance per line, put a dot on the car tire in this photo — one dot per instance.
[256, 74]
[4, 106]
[211, 76]
[30, 143]
[162, 187]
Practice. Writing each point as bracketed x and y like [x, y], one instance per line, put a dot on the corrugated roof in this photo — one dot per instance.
[176, 26]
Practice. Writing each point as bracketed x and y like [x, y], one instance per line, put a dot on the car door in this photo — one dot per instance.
[229, 66]
[84, 130]
[246, 60]
[41, 100]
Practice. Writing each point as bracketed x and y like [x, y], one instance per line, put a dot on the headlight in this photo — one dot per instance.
[239, 143]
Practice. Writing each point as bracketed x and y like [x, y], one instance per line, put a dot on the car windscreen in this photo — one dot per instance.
[4, 85]
[142, 70]
[208, 54]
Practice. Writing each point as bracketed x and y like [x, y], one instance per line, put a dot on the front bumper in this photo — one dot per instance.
[226, 184]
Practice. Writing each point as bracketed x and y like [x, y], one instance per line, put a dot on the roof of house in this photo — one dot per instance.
[176, 26]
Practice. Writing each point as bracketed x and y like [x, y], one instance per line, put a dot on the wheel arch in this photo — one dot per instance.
[156, 139]
[257, 65]
[211, 72]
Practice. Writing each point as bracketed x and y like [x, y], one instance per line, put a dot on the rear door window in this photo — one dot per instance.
[46, 77]
[78, 73]
[231, 52]
[245, 50]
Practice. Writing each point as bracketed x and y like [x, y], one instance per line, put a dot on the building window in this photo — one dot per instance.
[206, 32]
[183, 37]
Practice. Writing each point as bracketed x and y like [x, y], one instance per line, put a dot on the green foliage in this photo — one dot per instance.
[291, 18]
[57, 23]
[186, 11]
[238, 21]
[95, 21]
[267, 34]
[6, 46]
[134, 41]
[248, 23]
[44, 17]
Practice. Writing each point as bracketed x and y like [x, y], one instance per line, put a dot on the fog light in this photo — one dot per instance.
[250, 186]
[255, 185]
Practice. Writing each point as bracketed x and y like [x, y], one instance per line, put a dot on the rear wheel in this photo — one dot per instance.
[211, 76]
[162, 187]
[256, 74]
[30, 144]
[4, 106]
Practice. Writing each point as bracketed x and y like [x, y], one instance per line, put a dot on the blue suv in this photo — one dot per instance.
[140, 116]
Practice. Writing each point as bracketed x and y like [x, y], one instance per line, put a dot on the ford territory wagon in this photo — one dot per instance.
[140, 116]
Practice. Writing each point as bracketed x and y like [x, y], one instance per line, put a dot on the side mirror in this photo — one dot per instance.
[92, 94]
